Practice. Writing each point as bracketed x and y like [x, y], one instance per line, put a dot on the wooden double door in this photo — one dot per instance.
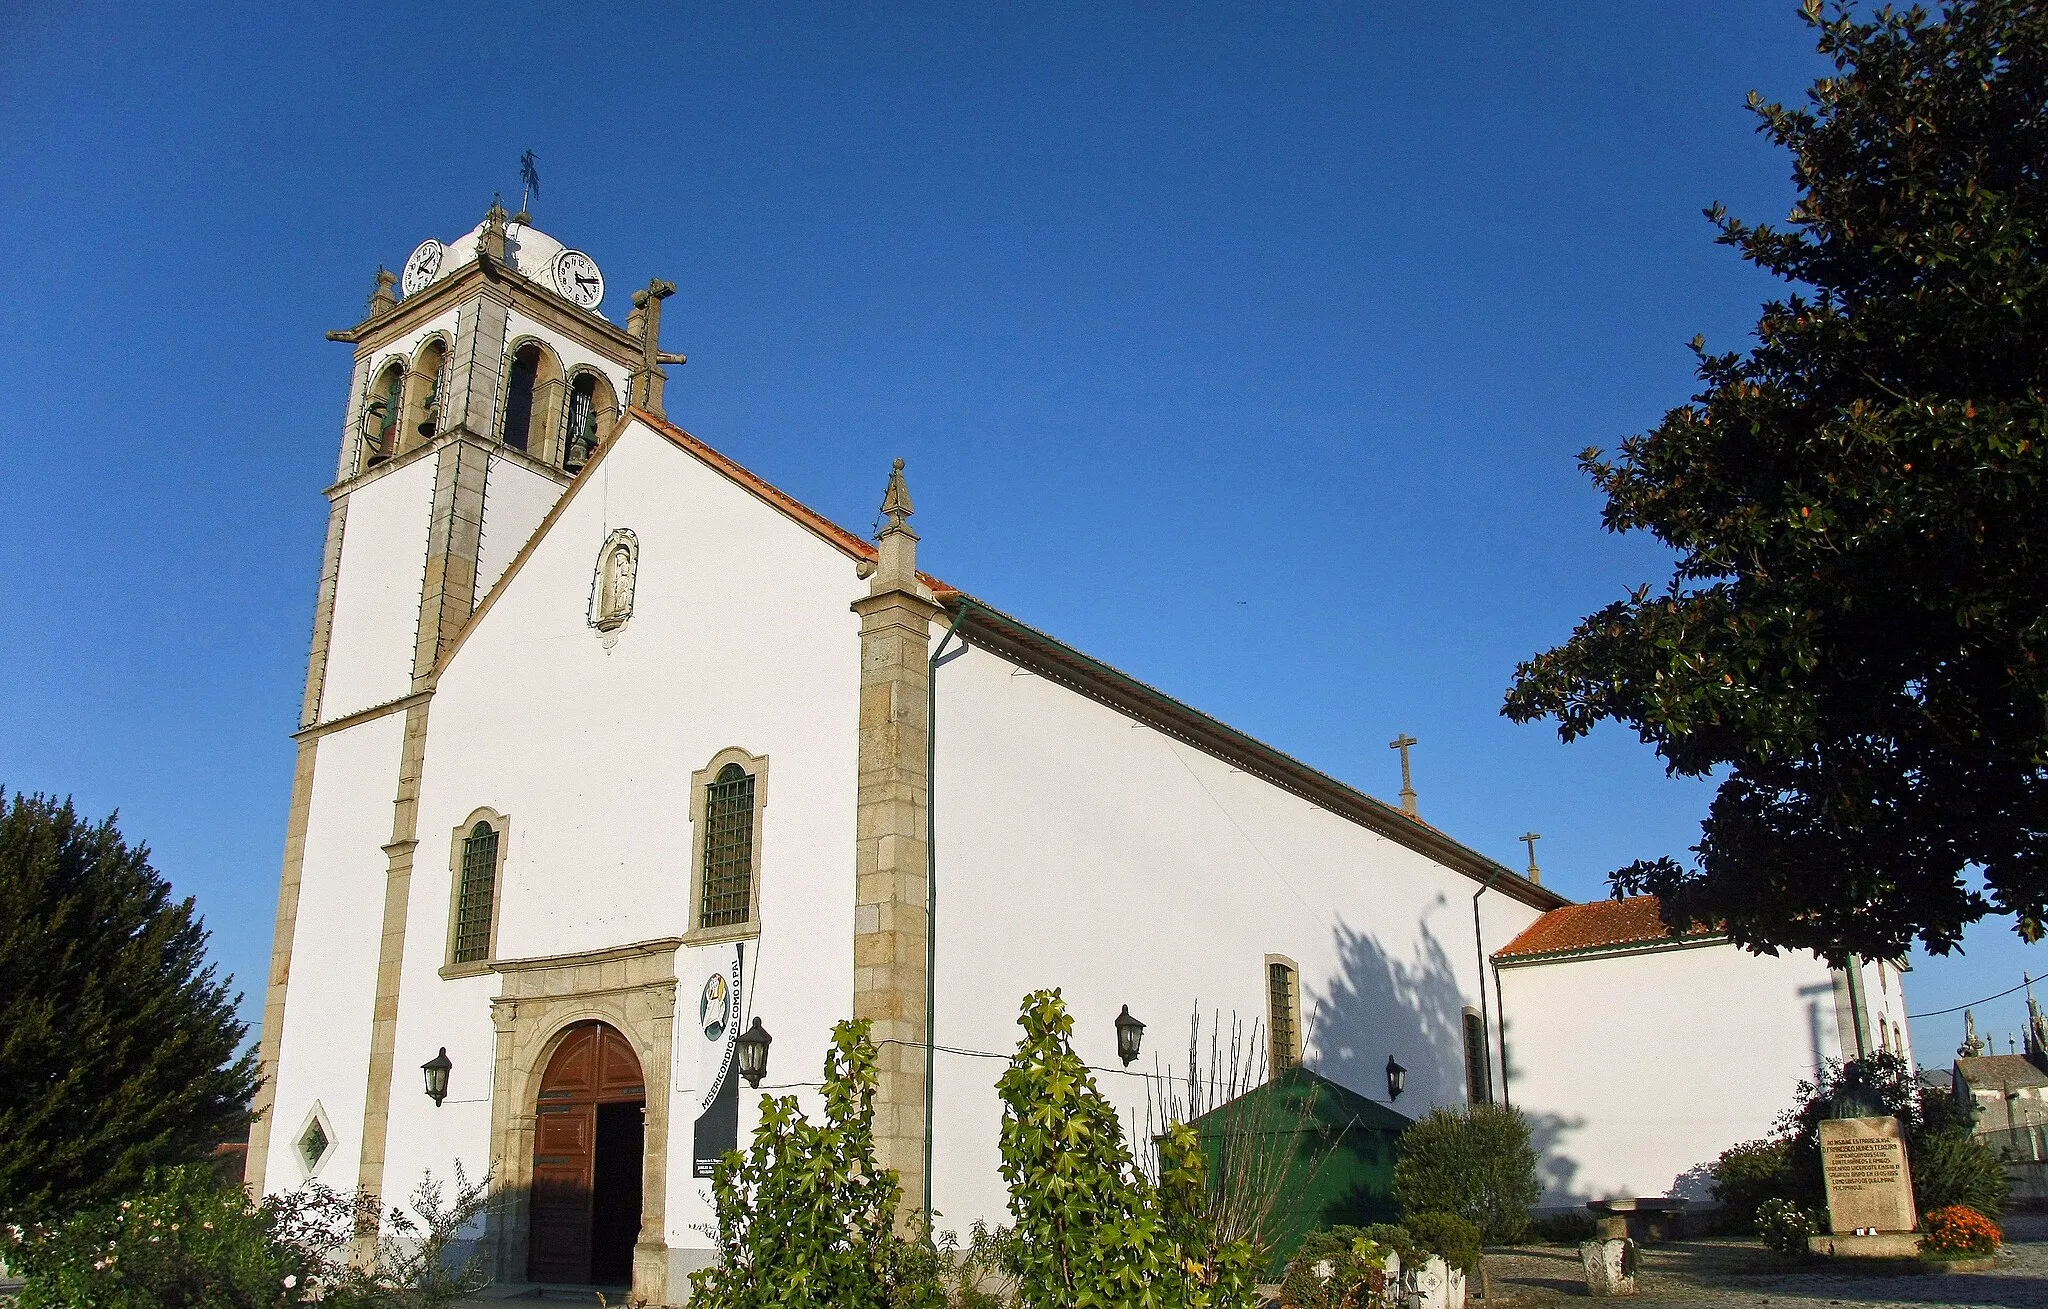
[588, 1160]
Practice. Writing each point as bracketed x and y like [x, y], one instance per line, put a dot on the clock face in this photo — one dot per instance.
[577, 278]
[421, 267]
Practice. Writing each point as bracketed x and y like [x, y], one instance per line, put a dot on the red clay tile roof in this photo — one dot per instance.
[1600, 925]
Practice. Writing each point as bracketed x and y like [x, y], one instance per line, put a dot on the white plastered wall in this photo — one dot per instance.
[516, 499]
[1636, 1066]
[324, 1049]
[1079, 849]
[741, 635]
[377, 596]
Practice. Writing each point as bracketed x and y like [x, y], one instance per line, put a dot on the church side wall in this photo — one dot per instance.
[377, 594]
[516, 498]
[740, 636]
[1077, 848]
[1635, 1067]
[324, 1050]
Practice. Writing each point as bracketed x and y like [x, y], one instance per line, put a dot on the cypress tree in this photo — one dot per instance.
[117, 1043]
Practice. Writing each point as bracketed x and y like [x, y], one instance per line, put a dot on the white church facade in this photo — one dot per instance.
[609, 748]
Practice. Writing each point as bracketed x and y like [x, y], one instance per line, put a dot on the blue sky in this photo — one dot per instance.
[1246, 347]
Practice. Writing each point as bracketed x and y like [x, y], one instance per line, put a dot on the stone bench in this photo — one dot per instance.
[1645, 1220]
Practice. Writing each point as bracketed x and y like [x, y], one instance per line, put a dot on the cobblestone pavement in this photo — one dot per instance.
[1732, 1274]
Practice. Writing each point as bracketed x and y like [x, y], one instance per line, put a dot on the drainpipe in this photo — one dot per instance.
[931, 885]
[1479, 941]
[1500, 1019]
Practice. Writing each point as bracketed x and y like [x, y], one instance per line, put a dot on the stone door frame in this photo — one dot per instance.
[630, 988]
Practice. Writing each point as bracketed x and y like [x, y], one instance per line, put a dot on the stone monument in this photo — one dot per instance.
[1870, 1189]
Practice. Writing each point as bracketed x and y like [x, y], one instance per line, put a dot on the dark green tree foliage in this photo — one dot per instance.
[1748, 1174]
[117, 1043]
[1855, 637]
[1477, 1164]
[1450, 1238]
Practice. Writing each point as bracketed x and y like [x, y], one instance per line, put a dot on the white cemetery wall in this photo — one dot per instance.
[1633, 1067]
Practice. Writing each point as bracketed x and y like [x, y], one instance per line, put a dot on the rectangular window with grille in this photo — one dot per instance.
[474, 901]
[728, 849]
[1280, 1018]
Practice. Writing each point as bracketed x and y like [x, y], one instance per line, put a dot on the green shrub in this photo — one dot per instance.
[1391, 1236]
[1337, 1268]
[1447, 1236]
[185, 1239]
[1784, 1226]
[1746, 1175]
[806, 1216]
[1952, 1167]
[1476, 1163]
[1089, 1229]
[1565, 1227]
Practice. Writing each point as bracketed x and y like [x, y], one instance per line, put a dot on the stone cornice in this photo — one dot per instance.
[522, 293]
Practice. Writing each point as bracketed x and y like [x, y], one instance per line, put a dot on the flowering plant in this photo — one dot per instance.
[1959, 1229]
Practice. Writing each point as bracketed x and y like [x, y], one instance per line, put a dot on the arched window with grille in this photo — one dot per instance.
[1283, 1015]
[477, 865]
[1478, 1064]
[727, 798]
[533, 390]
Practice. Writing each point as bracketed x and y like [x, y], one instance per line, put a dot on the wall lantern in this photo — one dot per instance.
[1130, 1034]
[436, 1070]
[752, 1045]
[1397, 1080]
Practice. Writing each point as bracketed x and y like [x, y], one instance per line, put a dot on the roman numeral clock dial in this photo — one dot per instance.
[577, 278]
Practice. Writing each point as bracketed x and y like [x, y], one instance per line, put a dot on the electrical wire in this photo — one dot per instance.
[1959, 1008]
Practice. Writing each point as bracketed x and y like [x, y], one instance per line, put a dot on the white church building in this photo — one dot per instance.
[609, 749]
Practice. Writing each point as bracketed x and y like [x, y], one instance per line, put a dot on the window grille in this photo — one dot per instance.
[1478, 1076]
[313, 1145]
[479, 885]
[728, 848]
[1280, 1014]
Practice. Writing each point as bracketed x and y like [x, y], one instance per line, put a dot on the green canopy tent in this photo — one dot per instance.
[1326, 1151]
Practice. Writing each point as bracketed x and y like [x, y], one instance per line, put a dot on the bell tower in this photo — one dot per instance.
[485, 377]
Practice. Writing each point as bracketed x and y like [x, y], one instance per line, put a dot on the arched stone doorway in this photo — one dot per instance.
[588, 1152]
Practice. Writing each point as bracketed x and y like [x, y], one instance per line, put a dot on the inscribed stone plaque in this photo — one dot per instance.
[1869, 1187]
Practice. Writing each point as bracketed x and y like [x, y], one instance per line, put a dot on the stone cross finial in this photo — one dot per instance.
[896, 502]
[1530, 839]
[644, 384]
[1401, 743]
[382, 301]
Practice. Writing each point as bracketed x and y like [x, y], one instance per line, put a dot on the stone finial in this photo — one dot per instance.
[896, 502]
[492, 243]
[1972, 1046]
[382, 300]
[896, 562]
[1530, 839]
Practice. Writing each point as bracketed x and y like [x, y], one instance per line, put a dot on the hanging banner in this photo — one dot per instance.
[718, 1098]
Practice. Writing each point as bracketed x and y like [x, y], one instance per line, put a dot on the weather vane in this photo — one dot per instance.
[529, 179]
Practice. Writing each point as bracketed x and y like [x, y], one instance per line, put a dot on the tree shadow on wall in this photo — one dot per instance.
[1378, 1006]
[1548, 1135]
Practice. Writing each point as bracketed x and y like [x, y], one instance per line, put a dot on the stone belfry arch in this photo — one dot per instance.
[410, 519]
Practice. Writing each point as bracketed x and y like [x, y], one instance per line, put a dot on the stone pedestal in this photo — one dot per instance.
[1433, 1284]
[1884, 1245]
[1610, 1267]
